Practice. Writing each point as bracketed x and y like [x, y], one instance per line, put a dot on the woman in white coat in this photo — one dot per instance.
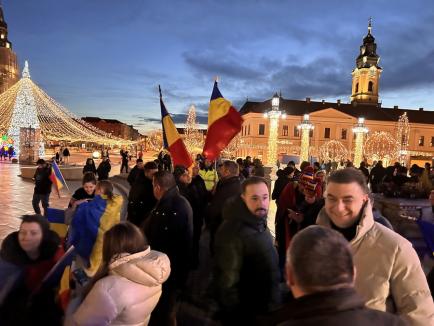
[127, 286]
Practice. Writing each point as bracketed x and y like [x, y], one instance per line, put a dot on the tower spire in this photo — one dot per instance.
[369, 25]
[26, 71]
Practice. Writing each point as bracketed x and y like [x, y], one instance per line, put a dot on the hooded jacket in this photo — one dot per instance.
[128, 294]
[246, 266]
[389, 274]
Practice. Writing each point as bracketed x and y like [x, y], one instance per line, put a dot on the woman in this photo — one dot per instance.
[90, 166]
[86, 192]
[26, 256]
[89, 223]
[127, 286]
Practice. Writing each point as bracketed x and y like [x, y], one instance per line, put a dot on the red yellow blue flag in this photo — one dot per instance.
[224, 123]
[56, 178]
[171, 139]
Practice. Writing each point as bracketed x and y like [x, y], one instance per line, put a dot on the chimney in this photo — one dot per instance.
[395, 107]
[420, 109]
[307, 99]
[339, 102]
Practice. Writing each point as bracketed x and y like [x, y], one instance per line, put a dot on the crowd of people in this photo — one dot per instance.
[332, 261]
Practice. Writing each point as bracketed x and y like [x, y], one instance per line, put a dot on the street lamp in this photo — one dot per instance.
[306, 126]
[359, 130]
[273, 115]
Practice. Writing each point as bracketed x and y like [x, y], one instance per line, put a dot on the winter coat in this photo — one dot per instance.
[141, 198]
[341, 307]
[226, 188]
[246, 274]
[20, 276]
[42, 180]
[89, 168]
[128, 294]
[169, 229]
[103, 170]
[279, 185]
[389, 274]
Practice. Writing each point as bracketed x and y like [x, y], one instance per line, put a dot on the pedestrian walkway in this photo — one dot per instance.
[16, 197]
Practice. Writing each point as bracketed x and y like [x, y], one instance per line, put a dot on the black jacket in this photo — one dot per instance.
[89, 168]
[331, 308]
[169, 229]
[225, 189]
[246, 274]
[103, 170]
[279, 185]
[42, 180]
[141, 198]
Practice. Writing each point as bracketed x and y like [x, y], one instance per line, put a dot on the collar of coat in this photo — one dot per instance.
[236, 209]
[365, 224]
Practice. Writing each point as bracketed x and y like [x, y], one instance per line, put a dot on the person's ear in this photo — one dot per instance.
[289, 276]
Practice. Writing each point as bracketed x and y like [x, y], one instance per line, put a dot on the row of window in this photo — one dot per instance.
[370, 87]
[421, 141]
[245, 131]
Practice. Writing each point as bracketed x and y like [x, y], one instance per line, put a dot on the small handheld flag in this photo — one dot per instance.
[171, 139]
[56, 178]
[224, 123]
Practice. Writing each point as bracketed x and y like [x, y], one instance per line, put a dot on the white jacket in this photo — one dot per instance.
[128, 294]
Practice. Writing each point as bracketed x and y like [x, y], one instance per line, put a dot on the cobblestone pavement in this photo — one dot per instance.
[16, 197]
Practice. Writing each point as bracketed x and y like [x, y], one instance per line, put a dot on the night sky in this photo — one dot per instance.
[105, 58]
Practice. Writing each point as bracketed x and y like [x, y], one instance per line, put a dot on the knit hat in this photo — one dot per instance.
[307, 175]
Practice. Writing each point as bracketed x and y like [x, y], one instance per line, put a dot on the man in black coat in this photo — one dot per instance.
[141, 199]
[228, 186]
[169, 229]
[376, 176]
[103, 169]
[320, 273]
[42, 189]
[246, 274]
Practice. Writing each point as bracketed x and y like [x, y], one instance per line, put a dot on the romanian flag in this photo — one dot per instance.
[224, 123]
[172, 141]
[56, 178]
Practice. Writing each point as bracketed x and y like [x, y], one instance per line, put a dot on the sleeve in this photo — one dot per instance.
[98, 308]
[409, 288]
[9, 276]
[228, 263]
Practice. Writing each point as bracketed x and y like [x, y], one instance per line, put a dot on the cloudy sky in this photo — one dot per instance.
[106, 57]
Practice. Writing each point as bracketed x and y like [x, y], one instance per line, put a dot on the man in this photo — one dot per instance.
[141, 199]
[320, 273]
[169, 229]
[208, 174]
[389, 274]
[42, 189]
[124, 156]
[66, 155]
[103, 169]
[228, 186]
[246, 274]
[376, 176]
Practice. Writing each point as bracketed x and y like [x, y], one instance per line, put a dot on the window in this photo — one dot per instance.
[344, 134]
[248, 130]
[261, 129]
[421, 140]
[284, 130]
[296, 132]
[432, 141]
[311, 133]
[326, 132]
[370, 86]
[357, 88]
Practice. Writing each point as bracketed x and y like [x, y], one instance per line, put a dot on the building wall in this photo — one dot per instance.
[9, 71]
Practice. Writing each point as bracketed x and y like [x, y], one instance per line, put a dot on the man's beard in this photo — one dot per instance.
[261, 212]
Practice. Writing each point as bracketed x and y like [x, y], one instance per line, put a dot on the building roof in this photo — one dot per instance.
[96, 119]
[369, 112]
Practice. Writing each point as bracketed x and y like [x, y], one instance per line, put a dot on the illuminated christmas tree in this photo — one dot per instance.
[193, 137]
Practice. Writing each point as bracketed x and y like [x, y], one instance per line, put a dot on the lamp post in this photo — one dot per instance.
[359, 130]
[306, 126]
[273, 115]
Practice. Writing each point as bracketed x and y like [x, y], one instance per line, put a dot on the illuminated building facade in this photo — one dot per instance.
[9, 71]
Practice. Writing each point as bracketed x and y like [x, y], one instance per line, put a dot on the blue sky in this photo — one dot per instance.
[105, 58]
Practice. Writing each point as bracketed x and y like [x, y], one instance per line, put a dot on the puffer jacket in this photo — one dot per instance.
[128, 294]
[389, 274]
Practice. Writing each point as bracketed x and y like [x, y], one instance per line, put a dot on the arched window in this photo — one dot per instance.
[370, 86]
[357, 88]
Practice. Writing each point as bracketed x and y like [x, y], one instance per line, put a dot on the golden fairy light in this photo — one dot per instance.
[403, 136]
[359, 130]
[381, 145]
[306, 126]
[334, 151]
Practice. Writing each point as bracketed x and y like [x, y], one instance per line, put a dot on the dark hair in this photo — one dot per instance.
[252, 181]
[349, 175]
[304, 165]
[123, 237]
[320, 259]
[150, 165]
[232, 167]
[41, 220]
[178, 171]
[40, 161]
[139, 160]
[106, 188]
[240, 161]
[164, 179]
[89, 177]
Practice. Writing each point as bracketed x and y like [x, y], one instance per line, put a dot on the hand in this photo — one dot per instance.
[297, 217]
[78, 202]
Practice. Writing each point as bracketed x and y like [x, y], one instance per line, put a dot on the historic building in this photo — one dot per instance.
[9, 71]
[336, 121]
[114, 127]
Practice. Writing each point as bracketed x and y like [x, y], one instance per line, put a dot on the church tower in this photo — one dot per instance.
[366, 74]
[9, 72]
